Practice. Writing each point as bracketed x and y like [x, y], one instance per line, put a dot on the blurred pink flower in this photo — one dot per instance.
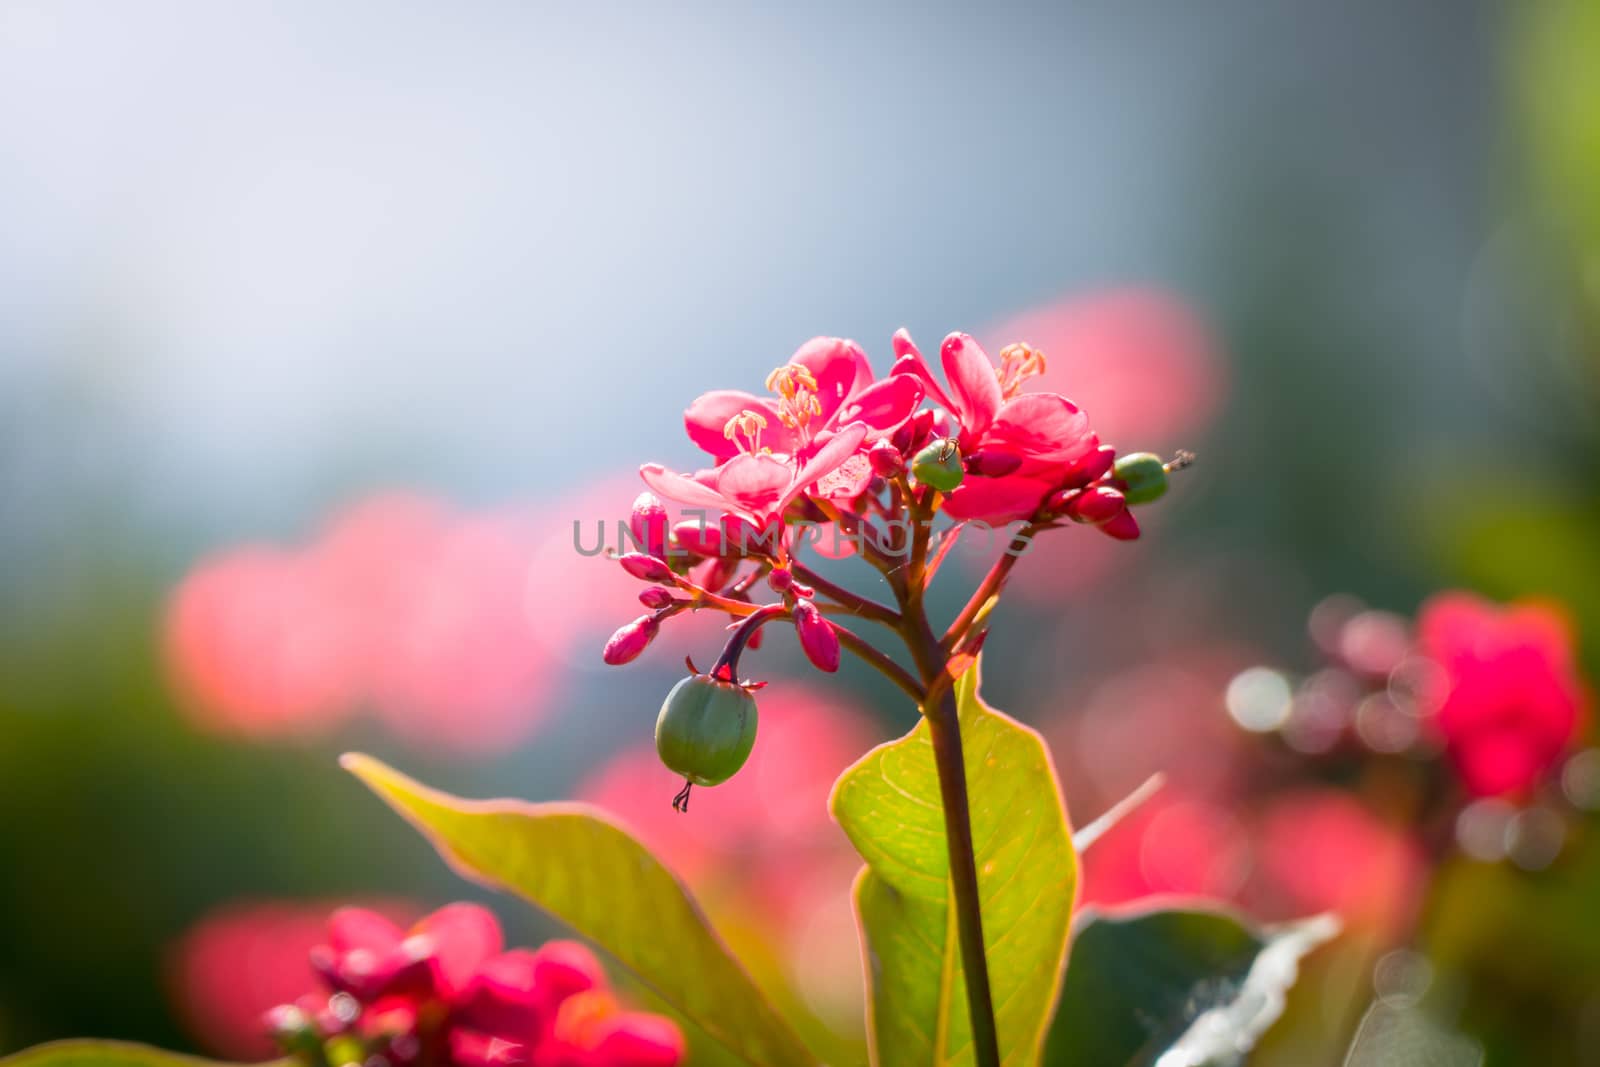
[1321, 850]
[258, 645]
[1138, 360]
[1174, 844]
[401, 605]
[242, 959]
[446, 991]
[1146, 370]
[1513, 702]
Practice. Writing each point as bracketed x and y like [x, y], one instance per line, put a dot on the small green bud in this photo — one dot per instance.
[939, 465]
[706, 729]
[1143, 476]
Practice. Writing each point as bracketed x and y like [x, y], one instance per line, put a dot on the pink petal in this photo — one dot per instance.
[565, 968]
[637, 1039]
[883, 406]
[839, 447]
[461, 937]
[350, 929]
[503, 997]
[996, 500]
[754, 484]
[972, 380]
[909, 361]
[682, 488]
[708, 416]
[841, 369]
[1042, 427]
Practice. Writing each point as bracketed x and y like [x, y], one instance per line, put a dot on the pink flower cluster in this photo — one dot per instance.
[446, 993]
[836, 447]
[822, 442]
[1495, 687]
[1512, 702]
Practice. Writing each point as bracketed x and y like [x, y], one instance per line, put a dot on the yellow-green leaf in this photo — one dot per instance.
[889, 804]
[584, 870]
[90, 1053]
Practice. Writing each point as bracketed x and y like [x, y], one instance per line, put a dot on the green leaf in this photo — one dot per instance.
[587, 872]
[889, 804]
[90, 1053]
[1185, 987]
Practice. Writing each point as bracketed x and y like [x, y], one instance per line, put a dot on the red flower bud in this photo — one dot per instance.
[1124, 527]
[657, 597]
[993, 464]
[914, 431]
[817, 637]
[649, 525]
[1056, 503]
[698, 538]
[780, 579]
[632, 639]
[741, 538]
[645, 568]
[886, 459]
[1090, 468]
[1096, 505]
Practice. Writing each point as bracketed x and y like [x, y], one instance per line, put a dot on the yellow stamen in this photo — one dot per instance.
[744, 430]
[796, 388]
[1018, 363]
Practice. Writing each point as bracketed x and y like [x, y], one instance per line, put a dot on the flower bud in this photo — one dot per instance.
[645, 568]
[817, 637]
[625, 645]
[656, 597]
[698, 538]
[1124, 527]
[648, 524]
[1143, 477]
[1090, 468]
[741, 537]
[780, 579]
[914, 431]
[706, 729]
[939, 465]
[1057, 502]
[886, 459]
[991, 463]
[1096, 505]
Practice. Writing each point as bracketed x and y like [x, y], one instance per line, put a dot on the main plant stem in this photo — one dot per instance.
[944, 731]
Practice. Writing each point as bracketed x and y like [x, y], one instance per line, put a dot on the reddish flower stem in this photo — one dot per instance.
[990, 587]
[865, 607]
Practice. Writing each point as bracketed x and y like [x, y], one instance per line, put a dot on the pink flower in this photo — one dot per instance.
[446, 992]
[1174, 845]
[757, 486]
[1321, 850]
[827, 384]
[1513, 702]
[1034, 443]
[239, 961]
[825, 405]
[258, 645]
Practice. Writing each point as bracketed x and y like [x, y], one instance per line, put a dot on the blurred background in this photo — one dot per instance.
[320, 325]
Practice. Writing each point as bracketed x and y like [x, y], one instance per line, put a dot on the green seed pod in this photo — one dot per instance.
[939, 465]
[1143, 475]
[706, 729]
